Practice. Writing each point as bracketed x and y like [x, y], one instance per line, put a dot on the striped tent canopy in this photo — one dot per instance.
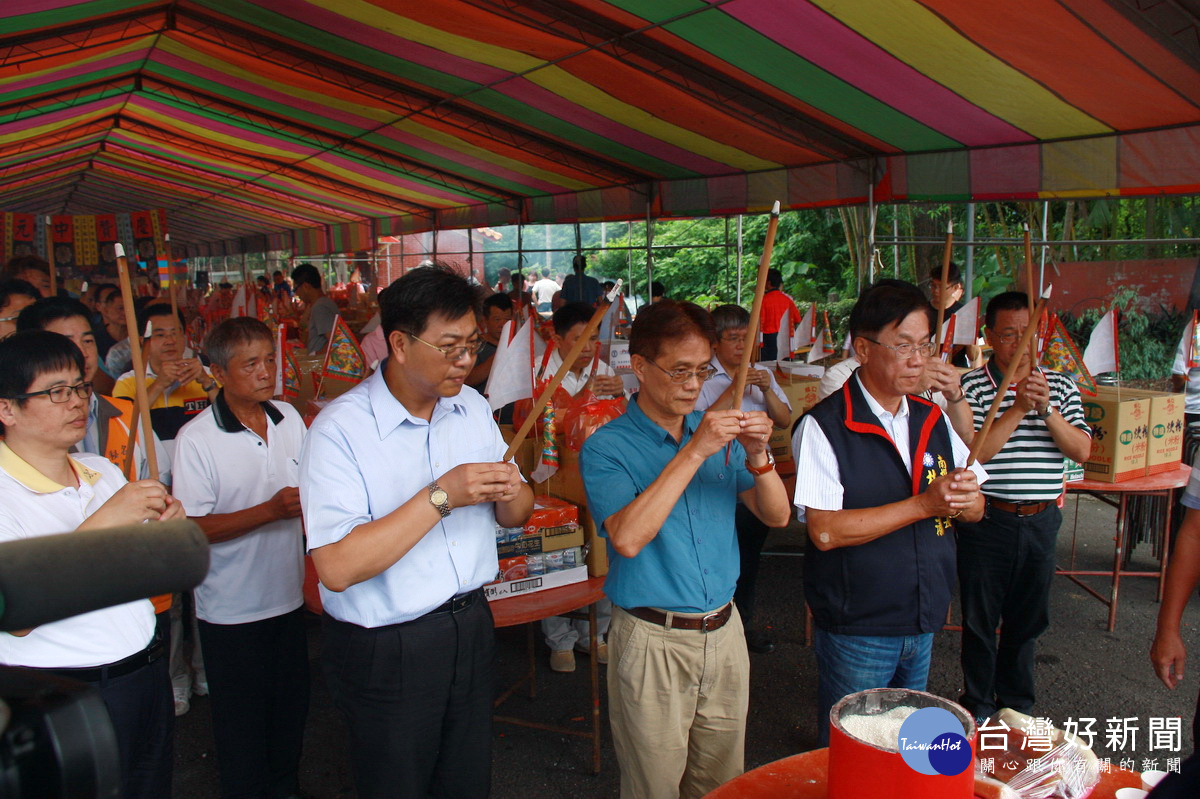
[320, 124]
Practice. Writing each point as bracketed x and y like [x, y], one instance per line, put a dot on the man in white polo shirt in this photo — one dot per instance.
[762, 394]
[402, 486]
[45, 490]
[236, 474]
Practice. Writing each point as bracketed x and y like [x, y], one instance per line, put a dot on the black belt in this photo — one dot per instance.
[119, 669]
[1018, 508]
[456, 604]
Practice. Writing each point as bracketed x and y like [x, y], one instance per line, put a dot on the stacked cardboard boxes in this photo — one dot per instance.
[546, 553]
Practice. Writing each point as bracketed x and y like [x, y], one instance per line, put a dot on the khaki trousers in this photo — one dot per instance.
[677, 706]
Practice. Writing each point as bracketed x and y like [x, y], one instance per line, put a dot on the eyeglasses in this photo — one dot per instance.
[733, 337]
[1009, 337]
[59, 394]
[684, 375]
[905, 351]
[453, 353]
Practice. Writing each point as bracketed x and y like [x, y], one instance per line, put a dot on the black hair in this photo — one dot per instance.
[306, 274]
[608, 285]
[407, 304]
[885, 305]
[497, 300]
[232, 333]
[51, 309]
[545, 271]
[667, 320]
[730, 317]
[20, 263]
[658, 289]
[774, 277]
[1008, 301]
[102, 291]
[148, 312]
[277, 273]
[15, 286]
[953, 276]
[571, 314]
[28, 354]
[262, 279]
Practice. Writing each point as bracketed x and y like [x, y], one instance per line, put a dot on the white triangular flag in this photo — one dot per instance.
[818, 348]
[1101, 353]
[238, 308]
[511, 378]
[783, 343]
[803, 334]
[966, 326]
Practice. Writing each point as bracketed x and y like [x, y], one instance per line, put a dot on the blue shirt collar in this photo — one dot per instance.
[390, 413]
[654, 431]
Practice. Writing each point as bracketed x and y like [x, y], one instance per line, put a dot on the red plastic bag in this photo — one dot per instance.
[586, 417]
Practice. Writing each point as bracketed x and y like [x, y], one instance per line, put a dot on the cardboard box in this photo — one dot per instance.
[526, 453]
[1120, 429]
[781, 448]
[1164, 449]
[1072, 471]
[801, 393]
[555, 523]
[528, 585]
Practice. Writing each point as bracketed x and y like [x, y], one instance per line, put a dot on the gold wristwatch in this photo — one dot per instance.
[439, 499]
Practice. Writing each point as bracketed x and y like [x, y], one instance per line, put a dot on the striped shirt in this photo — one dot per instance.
[1029, 467]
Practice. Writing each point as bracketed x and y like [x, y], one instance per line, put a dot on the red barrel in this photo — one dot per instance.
[858, 769]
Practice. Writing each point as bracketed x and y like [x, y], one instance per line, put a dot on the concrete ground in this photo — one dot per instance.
[1083, 671]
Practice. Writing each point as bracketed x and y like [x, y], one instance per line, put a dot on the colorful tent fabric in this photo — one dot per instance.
[319, 124]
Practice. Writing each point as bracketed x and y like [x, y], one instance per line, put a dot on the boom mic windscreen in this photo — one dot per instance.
[54, 577]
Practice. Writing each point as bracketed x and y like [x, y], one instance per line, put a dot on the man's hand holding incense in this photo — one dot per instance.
[951, 494]
[136, 502]
[756, 431]
[1033, 394]
[716, 429]
[473, 483]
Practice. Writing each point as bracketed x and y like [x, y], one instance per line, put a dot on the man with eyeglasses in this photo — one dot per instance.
[1006, 559]
[402, 485]
[879, 477]
[44, 490]
[762, 394]
[663, 481]
[110, 419]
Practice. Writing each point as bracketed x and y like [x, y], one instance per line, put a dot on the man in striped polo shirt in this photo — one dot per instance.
[1006, 559]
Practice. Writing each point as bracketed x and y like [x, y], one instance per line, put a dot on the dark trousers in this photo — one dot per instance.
[142, 712]
[770, 347]
[258, 688]
[1005, 567]
[751, 535]
[417, 698]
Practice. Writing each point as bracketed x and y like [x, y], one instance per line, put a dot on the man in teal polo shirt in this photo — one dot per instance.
[665, 481]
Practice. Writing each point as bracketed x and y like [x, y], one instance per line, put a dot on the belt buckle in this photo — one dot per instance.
[714, 616]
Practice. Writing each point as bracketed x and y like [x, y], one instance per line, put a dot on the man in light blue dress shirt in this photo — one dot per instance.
[402, 484]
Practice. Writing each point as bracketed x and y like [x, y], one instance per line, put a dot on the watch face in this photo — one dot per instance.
[438, 497]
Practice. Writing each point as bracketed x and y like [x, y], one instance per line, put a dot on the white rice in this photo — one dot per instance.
[881, 729]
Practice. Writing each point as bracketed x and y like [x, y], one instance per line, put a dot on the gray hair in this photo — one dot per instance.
[730, 317]
[226, 337]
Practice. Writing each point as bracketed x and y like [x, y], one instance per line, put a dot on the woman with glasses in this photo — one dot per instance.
[44, 490]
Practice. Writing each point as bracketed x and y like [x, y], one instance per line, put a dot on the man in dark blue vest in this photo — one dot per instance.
[880, 474]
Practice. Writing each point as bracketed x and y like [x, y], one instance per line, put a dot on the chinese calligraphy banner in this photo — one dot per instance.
[85, 242]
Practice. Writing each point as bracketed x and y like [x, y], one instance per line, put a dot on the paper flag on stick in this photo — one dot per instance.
[948, 335]
[804, 332]
[966, 323]
[511, 378]
[1061, 355]
[280, 332]
[820, 347]
[344, 359]
[239, 307]
[1101, 353]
